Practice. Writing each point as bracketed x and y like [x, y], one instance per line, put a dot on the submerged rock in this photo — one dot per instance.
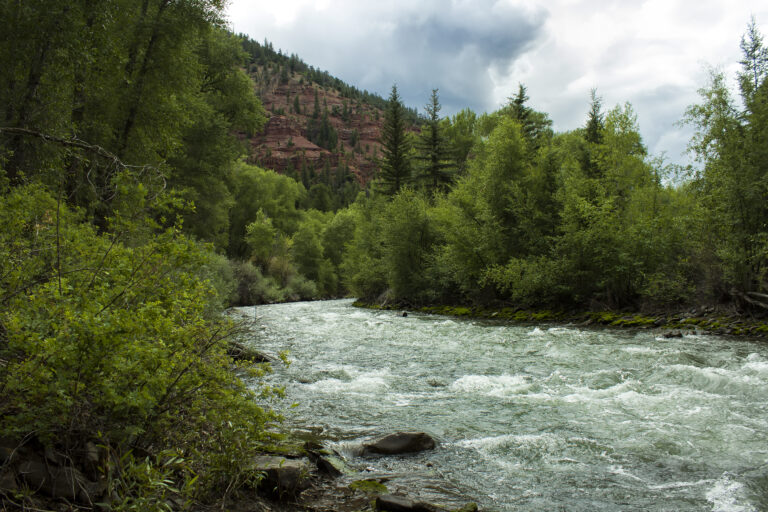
[400, 442]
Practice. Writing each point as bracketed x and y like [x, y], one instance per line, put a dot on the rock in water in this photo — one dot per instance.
[392, 503]
[400, 442]
[241, 352]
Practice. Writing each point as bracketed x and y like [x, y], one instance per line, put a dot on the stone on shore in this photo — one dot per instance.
[283, 476]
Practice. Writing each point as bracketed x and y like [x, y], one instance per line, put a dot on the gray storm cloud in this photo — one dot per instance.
[453, 46]
[475, 52]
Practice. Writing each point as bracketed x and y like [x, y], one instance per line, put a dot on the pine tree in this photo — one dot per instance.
[595, 122]
[433, 149]
[316, 110]
[536, 125]
[754, 63]
[396, 165]
[520, 111]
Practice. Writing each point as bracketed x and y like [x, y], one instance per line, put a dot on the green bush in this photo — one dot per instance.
[109, 337]
[253, 287]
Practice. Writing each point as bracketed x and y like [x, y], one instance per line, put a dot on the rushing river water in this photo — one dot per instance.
[535, 418]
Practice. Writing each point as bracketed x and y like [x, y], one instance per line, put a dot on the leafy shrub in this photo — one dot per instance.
[253, 287]
[109, 337]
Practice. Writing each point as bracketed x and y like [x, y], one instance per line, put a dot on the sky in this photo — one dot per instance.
[654, 54]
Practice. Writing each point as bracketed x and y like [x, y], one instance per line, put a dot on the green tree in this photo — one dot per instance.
[730, 145]
[433, 149]
[396, 165]
[462, 134]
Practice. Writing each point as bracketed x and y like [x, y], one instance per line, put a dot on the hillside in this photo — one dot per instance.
[319, 129]
[285, 144]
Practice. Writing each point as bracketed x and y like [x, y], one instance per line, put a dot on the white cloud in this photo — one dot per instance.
[651, 53]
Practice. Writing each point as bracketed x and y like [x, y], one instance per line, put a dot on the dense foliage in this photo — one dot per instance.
[130, 222]
[120, 187]
[581, 219]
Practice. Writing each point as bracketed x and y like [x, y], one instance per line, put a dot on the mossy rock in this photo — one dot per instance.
[469, 507]
[521, 316]
[369, 487]
[542, 315]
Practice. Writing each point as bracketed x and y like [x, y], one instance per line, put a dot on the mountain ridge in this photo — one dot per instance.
[319, 129]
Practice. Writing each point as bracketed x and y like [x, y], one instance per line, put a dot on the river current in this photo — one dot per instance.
[533, 417]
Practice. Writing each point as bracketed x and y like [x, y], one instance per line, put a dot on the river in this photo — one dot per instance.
[533, 417]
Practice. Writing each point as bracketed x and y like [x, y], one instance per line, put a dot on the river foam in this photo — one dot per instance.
[533, 418]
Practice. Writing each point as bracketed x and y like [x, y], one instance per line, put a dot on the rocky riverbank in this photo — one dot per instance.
[316, 478]
[309, 477]
[703, 320]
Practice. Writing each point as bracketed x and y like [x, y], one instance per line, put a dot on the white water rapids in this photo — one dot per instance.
[533, 418]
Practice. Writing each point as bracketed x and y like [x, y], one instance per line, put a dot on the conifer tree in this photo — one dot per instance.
[396, 165]
[536, 125]
[595, 123]
[433, 149]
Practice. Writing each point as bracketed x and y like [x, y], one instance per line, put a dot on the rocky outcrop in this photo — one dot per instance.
[399, 443]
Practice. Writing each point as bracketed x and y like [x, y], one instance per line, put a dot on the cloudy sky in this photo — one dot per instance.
[653, 54]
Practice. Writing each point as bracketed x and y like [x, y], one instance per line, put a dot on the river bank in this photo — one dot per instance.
[704, 320]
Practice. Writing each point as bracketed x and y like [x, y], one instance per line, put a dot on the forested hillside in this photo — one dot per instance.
[320, 130]
[137, 202]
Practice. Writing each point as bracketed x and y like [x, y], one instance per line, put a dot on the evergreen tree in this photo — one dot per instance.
[396, 165]
[520, 110]
[595, 122]
[536, 125]
[316, 109]
[754, 62]
[434, 149]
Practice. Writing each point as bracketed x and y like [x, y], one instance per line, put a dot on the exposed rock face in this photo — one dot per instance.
[400, 442]
[284, 145]
[283, 476]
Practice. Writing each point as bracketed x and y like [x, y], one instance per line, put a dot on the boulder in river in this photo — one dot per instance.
[672, 334]
[394, 503]
[400, 442]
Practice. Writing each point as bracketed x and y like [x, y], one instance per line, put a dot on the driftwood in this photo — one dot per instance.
[748, 298]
